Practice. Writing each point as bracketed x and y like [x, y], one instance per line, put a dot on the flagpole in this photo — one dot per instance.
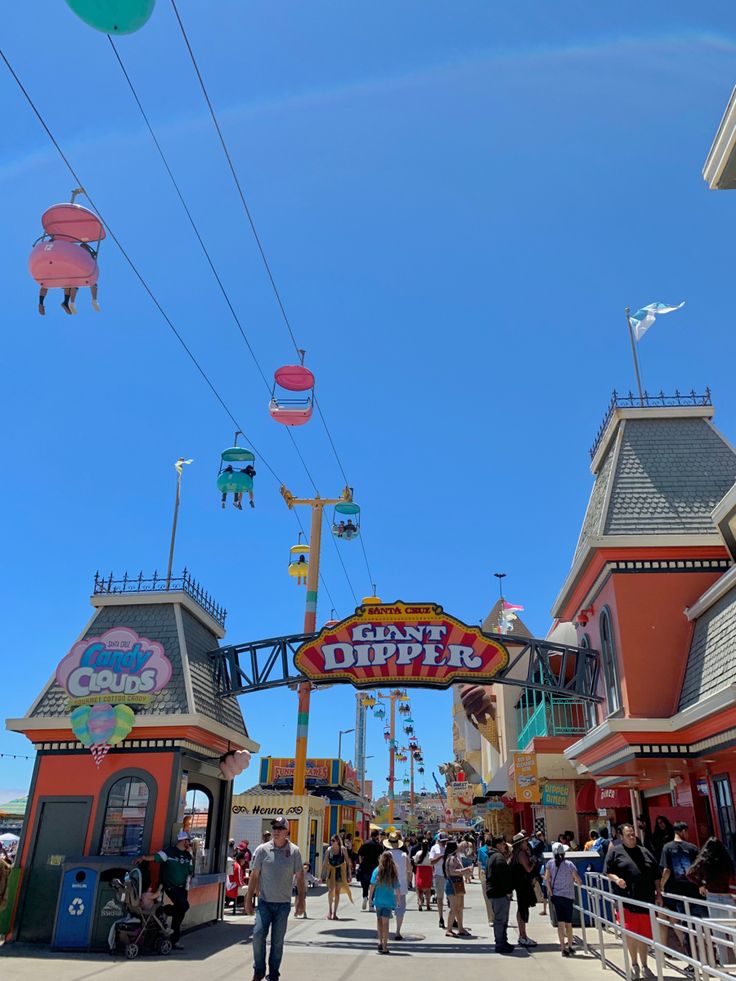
[633, 352]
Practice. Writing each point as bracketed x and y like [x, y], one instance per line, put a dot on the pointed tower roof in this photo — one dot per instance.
[188, 627]
[659, 472]
[490, 624]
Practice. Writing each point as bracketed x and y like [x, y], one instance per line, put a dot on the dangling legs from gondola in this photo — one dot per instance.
[224, 498]
[66, 306]
[41, 297]
[238, 500]
[73, 299]
[95, 304]
[250, 499]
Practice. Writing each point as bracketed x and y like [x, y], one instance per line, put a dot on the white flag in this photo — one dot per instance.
[643, 319]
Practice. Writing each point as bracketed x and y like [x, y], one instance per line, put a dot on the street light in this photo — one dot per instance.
[343, 732]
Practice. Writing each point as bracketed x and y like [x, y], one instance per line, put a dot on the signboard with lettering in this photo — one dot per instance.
[555, 794]
[117, 666]
[401, 644]
[103, 676]
[612, 797]
[526, 782]
[282, 770]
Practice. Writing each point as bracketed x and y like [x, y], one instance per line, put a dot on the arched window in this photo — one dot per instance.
[124, 821]
[591, 709]
[609, 665]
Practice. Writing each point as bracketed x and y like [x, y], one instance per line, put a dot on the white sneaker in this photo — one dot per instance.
[527, 942]
[365, 905]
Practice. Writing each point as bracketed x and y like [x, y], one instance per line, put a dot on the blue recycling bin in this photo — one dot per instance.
[76, 906]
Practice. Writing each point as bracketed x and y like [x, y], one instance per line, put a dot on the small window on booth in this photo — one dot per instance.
[198, 822]
[125, 817]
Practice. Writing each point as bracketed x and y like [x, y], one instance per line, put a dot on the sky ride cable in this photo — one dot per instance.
[261, 249]
[224, 292]
[152, 296]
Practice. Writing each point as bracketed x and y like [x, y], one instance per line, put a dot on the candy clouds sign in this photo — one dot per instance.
[118, 666]
[401, 644]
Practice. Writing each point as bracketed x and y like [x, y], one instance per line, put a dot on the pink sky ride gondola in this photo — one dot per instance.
[65, 256]
[292, 411]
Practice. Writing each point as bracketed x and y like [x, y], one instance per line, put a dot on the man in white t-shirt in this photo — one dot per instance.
[436, 857]
[395, 844]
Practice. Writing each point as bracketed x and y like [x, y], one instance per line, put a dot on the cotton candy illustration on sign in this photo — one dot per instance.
[98, 727]
[233, 763]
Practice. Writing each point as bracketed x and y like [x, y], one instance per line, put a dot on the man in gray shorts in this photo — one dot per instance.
[274, 866]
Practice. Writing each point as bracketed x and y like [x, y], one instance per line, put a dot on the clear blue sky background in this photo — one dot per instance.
[458, 200]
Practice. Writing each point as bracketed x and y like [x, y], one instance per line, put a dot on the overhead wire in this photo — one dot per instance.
[151, 294]
[261, 250]
[217, 276]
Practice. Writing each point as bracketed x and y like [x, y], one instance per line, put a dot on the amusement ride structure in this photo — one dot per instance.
[66, 257]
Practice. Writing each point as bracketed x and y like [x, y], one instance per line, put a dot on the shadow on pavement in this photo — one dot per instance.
[198, 945]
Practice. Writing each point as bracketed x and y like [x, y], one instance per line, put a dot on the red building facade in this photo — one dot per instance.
[653, 588]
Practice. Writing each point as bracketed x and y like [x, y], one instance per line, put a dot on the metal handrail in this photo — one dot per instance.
[647, 401]
[709, 939]
[108, 585]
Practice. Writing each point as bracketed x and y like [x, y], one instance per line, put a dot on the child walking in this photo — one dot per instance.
[384, 897]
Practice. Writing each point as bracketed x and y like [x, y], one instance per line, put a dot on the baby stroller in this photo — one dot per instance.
[143, 928]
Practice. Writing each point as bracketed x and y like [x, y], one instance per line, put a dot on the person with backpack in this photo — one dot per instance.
[560, 878]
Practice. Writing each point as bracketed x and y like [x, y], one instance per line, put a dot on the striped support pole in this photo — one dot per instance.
[310, 625]
[391, 758]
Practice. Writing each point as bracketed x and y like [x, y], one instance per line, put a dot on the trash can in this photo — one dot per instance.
[583, 862]
[74, 912]
[108, 908]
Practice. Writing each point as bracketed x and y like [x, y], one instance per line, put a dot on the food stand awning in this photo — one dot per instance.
[15, 808]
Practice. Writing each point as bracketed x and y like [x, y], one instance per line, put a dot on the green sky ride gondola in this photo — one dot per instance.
[346, 521]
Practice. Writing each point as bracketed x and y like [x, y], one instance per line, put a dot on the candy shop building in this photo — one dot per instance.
[132, 742]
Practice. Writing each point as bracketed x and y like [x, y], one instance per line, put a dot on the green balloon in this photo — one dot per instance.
[113, 16]
[78, 719]
[124, 721]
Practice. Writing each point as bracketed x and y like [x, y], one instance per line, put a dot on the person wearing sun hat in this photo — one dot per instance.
[395, 844]
[522, 873]
[561, 877]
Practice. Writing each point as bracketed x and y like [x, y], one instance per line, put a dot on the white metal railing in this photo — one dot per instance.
[710, 942]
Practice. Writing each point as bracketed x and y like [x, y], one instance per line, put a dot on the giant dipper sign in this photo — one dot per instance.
[401, 644]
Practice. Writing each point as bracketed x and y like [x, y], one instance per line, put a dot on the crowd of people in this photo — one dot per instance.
[640, 867]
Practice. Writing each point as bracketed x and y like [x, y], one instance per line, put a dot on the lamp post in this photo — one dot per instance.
[343, 732]
[317, 505]
[179, 467]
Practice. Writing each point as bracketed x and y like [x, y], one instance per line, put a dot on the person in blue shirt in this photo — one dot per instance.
[482, 862]
[384, 897]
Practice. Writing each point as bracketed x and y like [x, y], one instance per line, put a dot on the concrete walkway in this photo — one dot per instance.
[318, 949]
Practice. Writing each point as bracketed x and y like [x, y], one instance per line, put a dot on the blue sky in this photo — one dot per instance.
[458, 201]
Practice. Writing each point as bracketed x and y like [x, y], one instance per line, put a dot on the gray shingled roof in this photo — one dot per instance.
[198, 642]
[665, 477]
[158, 622]
[711, 663]
[592, 520]
[490, 624]
[670, 474]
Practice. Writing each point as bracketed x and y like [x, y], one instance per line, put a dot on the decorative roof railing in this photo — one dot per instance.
[107, 585]
[647, 401]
